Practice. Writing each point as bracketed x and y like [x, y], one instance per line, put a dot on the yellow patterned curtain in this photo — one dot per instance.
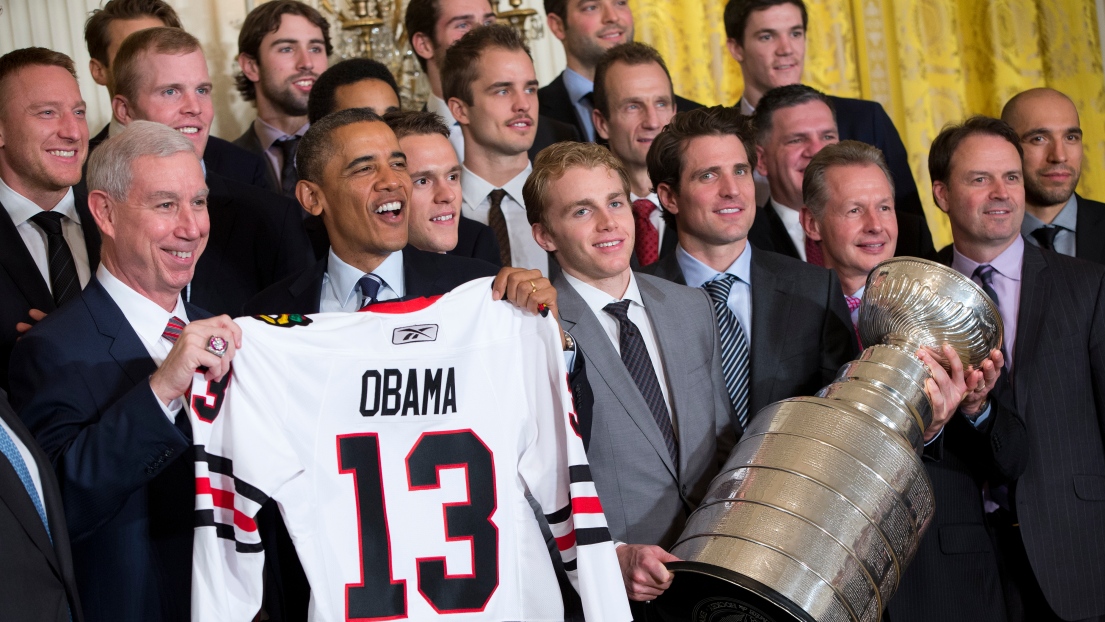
[929, 62]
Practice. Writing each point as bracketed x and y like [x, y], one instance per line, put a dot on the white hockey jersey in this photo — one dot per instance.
[399, 444]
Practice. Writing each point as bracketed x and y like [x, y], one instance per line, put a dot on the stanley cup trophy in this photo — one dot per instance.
[821, 506]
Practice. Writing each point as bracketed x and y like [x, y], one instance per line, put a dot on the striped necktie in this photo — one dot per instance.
[64, 283]
[734, 346]
[173, 329]
[369, 285]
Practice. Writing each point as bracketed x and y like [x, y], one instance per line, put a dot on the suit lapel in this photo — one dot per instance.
[1090, 230]
[306, 291]
[1035, 295]
[126, 347]
[16, 260]
[419, 278]
[769, 321]
[783, 244]
[14, 494]
[595, 344]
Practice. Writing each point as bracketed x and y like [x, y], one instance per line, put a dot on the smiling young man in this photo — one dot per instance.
[768, 39]
[282, 48]
[258, 237]
[1056, 217]
[658, 433]
[633, 101]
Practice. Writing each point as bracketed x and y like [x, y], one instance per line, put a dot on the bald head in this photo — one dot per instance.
[1046, 121]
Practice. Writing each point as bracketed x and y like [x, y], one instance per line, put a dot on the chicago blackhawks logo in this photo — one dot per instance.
[285, 319]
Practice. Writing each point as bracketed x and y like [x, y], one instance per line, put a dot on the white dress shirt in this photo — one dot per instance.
[476, 204]
[596, 300]
[28, 459]
[339, 284]
[656, 217]
[20, 209]
[438, 106]
[148, 320]
[793, 224]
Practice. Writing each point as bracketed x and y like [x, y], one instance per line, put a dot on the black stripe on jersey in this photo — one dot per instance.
[592, 535]
[579, 473]
[206, 518]
[560, 515]
[225, 466]
[570, 566]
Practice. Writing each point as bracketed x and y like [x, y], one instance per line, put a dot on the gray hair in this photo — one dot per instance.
[109, 166]
[815, 191]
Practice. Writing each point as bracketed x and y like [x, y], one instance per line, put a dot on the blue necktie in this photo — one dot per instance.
[11, 452]
[369, 286]
[734, 346]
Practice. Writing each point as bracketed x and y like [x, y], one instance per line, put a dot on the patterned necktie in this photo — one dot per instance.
[173, 329]
[11, 452]
[369, 285]
[497, 222]
[734, 346]
[853, 304]
[647, 245]
[813, 253]
[288, 175]
[63, 270]
[1045, 235]
[639, 364]
[984, 274]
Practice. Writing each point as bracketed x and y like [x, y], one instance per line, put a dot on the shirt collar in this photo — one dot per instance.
[696, 273]
[438, 106]
[21, 209]
[1067, 218]
[1008, 263]
[859, 292]
[145, 316]
[475, 189]
[789, 216]
[596, 299]
[268, 135]
[576, 85]
[344, 277]
[651, 197]
[746, 108]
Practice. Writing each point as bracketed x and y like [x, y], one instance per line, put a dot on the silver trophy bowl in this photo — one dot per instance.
[822, 504]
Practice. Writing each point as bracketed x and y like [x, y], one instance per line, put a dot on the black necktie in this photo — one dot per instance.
[63, 271]
[288, 176]
[639, 364]
[1045, 235]
[369, 285]
[497, 222]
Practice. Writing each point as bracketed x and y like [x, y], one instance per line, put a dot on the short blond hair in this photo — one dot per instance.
[553, 162]
[126, 71]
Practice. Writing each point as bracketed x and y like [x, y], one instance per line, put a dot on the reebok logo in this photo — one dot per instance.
[414, 334]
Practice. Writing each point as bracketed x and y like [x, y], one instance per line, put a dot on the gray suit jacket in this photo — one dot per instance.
[646, 498]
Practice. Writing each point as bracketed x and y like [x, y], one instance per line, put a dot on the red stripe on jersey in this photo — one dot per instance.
[586, 505]
[566, 541]
[401, 306]
[225, 499]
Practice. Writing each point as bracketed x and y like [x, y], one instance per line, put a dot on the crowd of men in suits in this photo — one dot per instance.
[703, 263]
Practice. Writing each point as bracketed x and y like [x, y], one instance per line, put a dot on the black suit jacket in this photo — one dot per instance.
[476, 240]
[252, 143]
[22, 287]
[557, 104]
[36, 578]
[1089, 237]
[257, 238]
[425, 274]
[801, 328]
[551, 131]
[80, 383]
[770, 234]
[222, 157]
[867, 122]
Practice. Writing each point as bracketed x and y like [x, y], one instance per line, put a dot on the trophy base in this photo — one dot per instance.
[706, 593]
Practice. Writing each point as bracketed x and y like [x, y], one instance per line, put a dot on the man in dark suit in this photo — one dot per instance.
[661, 424]
[634, 101]
[36, 579]
[100, 382]
[792, 124]
[1047, 494]
[1056, 217]
[793, 317]
[43, 144]
[257, 237]
[432, 28]
[768, 39]
[282, 48]
[587, 31]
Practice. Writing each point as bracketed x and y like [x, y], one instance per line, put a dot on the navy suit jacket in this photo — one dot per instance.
[22, 287]
[36, 578]
[477, 240]
[81, 385]
[222, 157]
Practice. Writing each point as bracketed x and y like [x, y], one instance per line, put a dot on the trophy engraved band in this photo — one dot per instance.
[822, 504]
